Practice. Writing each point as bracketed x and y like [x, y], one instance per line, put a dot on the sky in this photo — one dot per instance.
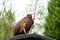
[19, 6]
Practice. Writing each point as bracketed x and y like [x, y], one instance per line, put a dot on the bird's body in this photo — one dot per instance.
[24, 25]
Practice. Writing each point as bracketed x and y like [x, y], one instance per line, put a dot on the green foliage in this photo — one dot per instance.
[52, 24]
[6, 26]
[6, 22]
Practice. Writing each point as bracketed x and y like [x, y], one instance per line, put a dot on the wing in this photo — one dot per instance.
[16, 29]
[25, 24]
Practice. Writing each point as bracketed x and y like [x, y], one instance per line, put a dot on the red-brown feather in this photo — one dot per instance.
[19, 26]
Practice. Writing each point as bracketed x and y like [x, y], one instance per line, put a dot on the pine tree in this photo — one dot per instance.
[52, 24]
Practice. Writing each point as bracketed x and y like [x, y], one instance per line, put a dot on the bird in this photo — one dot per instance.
[23, 26]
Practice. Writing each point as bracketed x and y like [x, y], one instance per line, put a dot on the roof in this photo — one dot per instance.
[30, 37]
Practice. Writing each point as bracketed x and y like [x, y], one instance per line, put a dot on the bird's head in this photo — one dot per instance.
[29, 15]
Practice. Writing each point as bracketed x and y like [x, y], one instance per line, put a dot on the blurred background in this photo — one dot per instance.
[46, 14]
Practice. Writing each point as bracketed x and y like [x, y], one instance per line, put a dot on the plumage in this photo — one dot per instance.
[24, 25]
